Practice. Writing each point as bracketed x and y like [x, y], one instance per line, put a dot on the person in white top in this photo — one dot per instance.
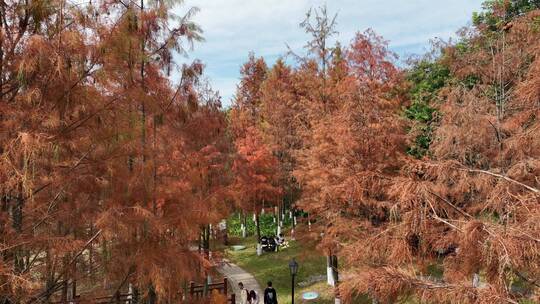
[243, 294]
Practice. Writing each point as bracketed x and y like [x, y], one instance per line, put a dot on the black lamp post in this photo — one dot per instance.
[293, 267]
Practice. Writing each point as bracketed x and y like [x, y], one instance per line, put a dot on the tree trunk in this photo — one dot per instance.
[73, 289]
[257, 223]
[91, 258]
[329, 273]
[332, 269]
[135, 297]
[226, 235]
[207, 242]
[49, 272]
[335, 271]
[64, 291]
[244, 219]
[200, 243]
[17, 219]
[258, 226]
[152, 296]
[279, 214]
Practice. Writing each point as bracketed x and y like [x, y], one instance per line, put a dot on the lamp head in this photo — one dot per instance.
[293, 267]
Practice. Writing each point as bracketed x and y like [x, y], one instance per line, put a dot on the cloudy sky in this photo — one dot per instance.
[233, 28]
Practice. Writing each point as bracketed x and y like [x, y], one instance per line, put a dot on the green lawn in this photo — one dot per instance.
[274, 267]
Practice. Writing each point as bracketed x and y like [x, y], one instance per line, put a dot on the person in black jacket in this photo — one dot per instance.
[270, 295]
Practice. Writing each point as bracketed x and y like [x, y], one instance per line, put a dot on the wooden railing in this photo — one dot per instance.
[118, 298]
[195, 291]
[198, 291]
[126, 298]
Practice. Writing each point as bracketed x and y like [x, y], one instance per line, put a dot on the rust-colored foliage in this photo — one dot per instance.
[107, 171]
[352, 145]
[255, 171]
[280, 118]
[255, 167]
[471, 209]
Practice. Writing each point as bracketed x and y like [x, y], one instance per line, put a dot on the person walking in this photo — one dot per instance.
[243, 294]
[270, 294]
[253, 297]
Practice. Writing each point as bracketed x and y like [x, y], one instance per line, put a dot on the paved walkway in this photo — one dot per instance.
[236, 275]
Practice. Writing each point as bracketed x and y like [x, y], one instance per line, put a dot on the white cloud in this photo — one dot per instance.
[233, 28]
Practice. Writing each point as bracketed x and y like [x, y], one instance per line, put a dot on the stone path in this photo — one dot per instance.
[236, 275]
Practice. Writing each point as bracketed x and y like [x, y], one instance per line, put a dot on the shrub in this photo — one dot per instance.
[268, 227]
